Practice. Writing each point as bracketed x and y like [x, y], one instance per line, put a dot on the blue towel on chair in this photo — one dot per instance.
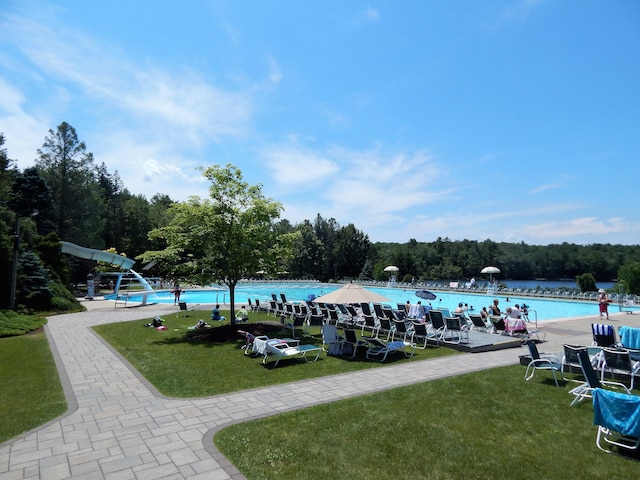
[630, 337]
[616, 411]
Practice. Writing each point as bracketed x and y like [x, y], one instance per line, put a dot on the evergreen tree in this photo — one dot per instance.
[69, 171]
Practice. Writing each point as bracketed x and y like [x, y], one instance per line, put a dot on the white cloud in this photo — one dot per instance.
[590, 226]
[371, 14]
[23, 133]
[518, 11]
[545, 188]
[151, 123]
[173, 100]
[275, 73]
[298, 168]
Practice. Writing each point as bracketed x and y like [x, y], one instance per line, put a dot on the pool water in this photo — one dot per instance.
[540, 308]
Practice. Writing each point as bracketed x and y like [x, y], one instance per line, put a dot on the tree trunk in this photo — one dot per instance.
[232, 301]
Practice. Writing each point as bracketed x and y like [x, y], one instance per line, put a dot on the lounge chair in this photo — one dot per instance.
[498, 325]
[570, 360]
[352, 342]
[541, 362]
[331, 339]
[298, 321]
[437, 324]
[402, 330]
[385, 326]
[592, 382]
[477, 322]
[618, 361]
[286, 348]
[630, 337]
[603, 335]
[248, 345]
[314, 319]
[618, 418]
[422, 333]
[380, 350]
[184, 308]
[394, 315]
[454, 331]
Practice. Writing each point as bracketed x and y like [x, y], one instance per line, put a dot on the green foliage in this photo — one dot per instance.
[367, 270]
[586, 282]
[33, 283]
[31, 392]
[14, 323]
[629, 275]
[70, 173]
[63, 300]
[220, 240]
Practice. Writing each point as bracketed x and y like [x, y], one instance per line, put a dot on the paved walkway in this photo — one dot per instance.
[119, 427]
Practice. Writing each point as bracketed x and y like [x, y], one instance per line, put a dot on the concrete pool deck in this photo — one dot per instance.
[119, 427]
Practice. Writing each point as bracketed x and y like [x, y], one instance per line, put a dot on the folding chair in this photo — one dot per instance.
[298, 321]
[184, 308]
[351, 341]
[592, 382]
[603, 335]
[541, 362]
[422, 333]
[478, 323]
[618, 361]
[331, 338]
[381, 350]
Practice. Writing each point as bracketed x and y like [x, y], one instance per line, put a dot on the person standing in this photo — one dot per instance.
[603, 301]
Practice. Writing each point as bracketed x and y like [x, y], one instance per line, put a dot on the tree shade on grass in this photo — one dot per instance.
[181, 364]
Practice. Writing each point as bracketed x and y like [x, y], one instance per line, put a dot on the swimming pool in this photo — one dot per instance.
[542, 308]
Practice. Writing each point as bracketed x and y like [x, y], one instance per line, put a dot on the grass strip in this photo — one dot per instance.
[30, 390]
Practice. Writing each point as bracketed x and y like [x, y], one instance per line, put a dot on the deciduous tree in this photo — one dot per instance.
[221, 239]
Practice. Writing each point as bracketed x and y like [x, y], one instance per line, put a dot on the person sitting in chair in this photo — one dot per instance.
[514, 323]
[215, 314]
[242, 315]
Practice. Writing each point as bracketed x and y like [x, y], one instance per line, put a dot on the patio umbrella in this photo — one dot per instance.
[391, 268]
[426, 294]
[490, 271]
[351, 293]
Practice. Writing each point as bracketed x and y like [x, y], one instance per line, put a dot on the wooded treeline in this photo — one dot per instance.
[67, 196]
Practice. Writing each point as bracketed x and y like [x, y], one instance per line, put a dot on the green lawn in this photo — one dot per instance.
[487, 425]
[30, 389]
[182, 367]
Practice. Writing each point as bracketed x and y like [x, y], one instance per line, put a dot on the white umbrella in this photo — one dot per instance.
[391, 268]
[351, 293]
[490, 271]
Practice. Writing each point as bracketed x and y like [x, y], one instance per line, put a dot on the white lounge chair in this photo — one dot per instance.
[287, 348]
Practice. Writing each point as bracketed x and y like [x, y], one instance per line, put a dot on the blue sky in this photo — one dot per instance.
[509, 120]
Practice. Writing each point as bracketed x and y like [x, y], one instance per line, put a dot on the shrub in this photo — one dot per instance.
[15, 323]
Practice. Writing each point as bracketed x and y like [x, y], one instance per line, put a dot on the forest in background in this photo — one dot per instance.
[68, 196]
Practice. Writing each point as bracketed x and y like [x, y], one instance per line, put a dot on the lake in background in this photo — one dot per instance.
[551, 284]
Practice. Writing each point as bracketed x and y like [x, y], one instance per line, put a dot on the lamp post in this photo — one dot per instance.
[14, 271]
[16, 252]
